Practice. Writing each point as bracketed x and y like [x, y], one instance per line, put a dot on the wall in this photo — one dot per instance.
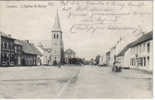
[139, 57]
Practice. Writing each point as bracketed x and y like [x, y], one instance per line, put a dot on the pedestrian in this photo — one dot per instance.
[114, 67]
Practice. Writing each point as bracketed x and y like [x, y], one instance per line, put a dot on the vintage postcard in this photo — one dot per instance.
[76, 49]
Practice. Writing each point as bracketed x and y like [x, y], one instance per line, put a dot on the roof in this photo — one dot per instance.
[56, 26]
[29, 48]
[124, 50]
[145, 37]
[49, 50]
[18, 42]
[6, 35]
[108, 52]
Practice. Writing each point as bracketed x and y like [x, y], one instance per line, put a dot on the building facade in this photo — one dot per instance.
[112, 55]
[102, 60]
[14, 52]
[142, 52]
[30, 54]
[108, 58]
[138, 54]
[18, 52]
[69, 54]
[7, 52]
[57, 54]
[45, 58]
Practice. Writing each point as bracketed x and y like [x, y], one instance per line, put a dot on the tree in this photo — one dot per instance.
[97, 59]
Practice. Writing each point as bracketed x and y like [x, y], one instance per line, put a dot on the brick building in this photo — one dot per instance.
[14, 52]
[6, 50]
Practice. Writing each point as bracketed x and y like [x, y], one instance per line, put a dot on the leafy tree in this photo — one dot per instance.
[97, 59]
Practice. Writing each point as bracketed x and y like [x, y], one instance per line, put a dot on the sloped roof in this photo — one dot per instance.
[56, 26]
[108, 52]
[3, 34]
[29, 48]
[49, 50]
[124, 50]
[145, 37]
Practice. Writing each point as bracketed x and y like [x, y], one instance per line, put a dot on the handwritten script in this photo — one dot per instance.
[100, 15]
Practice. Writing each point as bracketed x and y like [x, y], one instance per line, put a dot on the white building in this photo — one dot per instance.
[123, 56]
[69, 54]
[138, 54]
[45, 58]
[112, 55]
[102, 60]
[142, 52]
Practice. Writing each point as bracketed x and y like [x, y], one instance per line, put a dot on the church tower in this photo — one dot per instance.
[57, 54]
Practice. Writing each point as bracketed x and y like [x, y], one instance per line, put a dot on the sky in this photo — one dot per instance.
[89, 28]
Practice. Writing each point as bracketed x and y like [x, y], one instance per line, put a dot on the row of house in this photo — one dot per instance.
[14, 52]
[135, 54]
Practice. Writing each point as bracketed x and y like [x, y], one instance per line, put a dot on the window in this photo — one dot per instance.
[5, 45]
[148, 47]
[11, 45]
[3, 56]
[144, 61]
[148, 59]
[12, 57]
[140, 61]
[54, 36]
[132, 63]
[57, 36]
[15, 49]
[144, 47]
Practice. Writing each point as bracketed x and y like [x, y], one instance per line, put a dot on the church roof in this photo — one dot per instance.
[56, 26]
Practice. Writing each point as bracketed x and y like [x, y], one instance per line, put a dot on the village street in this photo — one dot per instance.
[73, 82]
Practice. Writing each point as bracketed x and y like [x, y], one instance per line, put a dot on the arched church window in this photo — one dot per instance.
[54, 36]
[57, 36]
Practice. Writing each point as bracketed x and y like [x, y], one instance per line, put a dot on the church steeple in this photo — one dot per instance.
[56, 26]
[57, 47]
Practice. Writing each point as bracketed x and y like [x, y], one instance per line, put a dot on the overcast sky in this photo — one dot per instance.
[35, 24]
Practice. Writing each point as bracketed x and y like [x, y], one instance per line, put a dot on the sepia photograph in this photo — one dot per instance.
[76, 49]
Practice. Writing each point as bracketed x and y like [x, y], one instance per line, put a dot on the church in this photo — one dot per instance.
[57, 46]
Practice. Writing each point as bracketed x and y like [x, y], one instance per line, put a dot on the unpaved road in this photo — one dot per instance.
[71, 82]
